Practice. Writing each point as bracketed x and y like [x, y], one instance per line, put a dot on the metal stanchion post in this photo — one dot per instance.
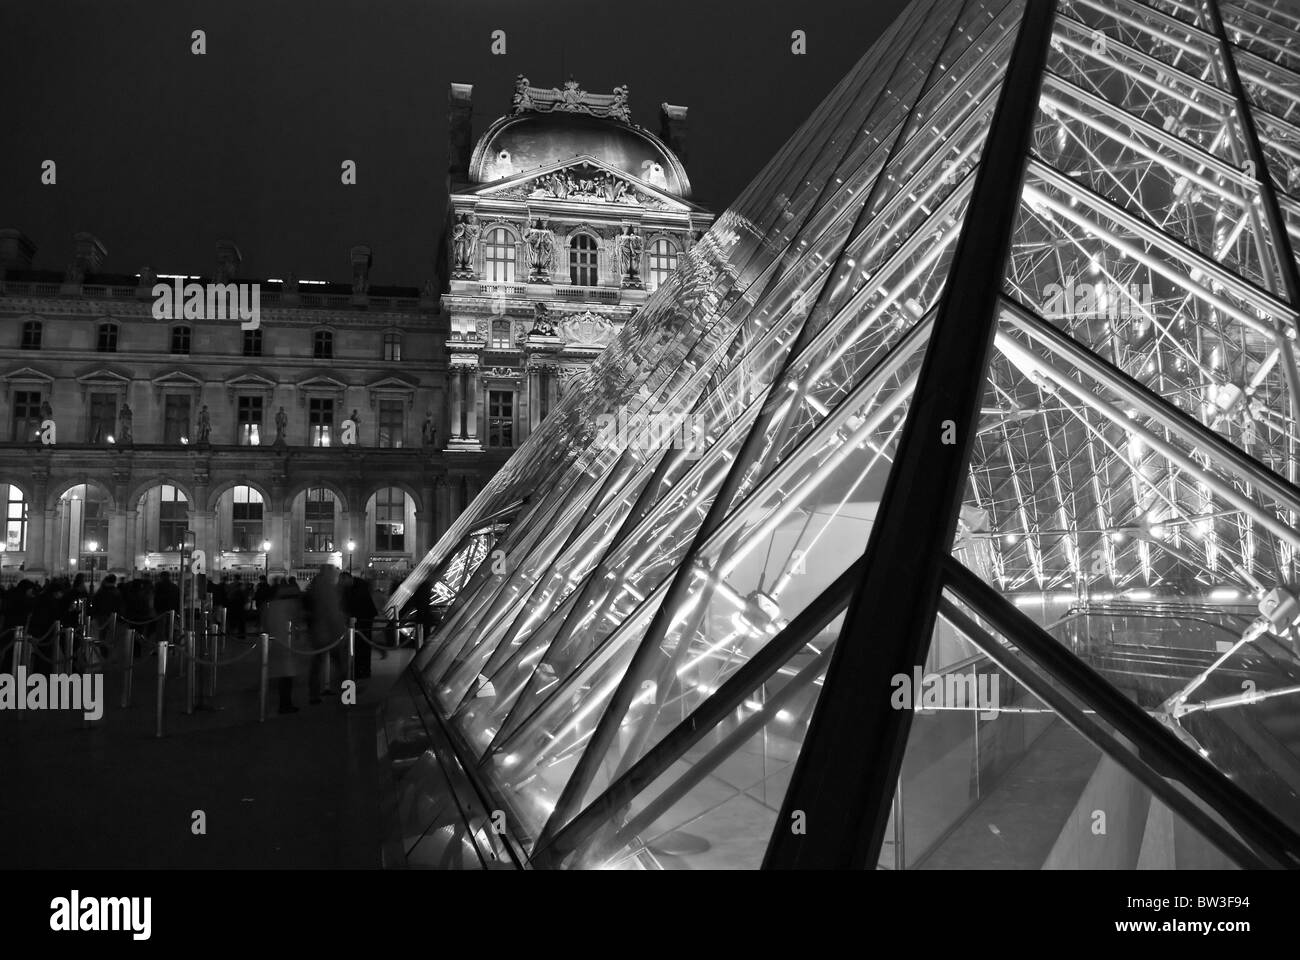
[85, 651]
[129, 672]
[214, 644]
[162, 686]
[352, 651]
[16, 657]
[66, 641]
[190, 666]
[266, 668]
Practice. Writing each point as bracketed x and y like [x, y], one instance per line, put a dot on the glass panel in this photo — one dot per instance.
[994, 778]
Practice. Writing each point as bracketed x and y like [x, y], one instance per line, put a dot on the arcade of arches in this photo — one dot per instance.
[244, 531]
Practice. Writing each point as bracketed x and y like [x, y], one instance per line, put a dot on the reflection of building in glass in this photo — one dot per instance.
[919, 480]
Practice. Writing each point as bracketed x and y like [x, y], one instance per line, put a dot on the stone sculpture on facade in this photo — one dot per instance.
[281, 424]
[542, 324]
[124, 420]
[205, 425]
[541, 252]
[464, 240]
[629, 246]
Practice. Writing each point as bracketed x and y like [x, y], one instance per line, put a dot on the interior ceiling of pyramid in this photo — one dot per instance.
[636, 634]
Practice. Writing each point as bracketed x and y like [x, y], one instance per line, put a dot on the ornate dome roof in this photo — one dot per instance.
[552, 125]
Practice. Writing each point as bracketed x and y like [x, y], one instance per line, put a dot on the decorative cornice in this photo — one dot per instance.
[570, 99]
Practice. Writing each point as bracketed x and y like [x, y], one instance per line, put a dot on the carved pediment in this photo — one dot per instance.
[251, 382]
[582, 180]
[586, 329]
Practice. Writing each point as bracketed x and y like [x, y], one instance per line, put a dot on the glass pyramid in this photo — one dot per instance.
[941, 511]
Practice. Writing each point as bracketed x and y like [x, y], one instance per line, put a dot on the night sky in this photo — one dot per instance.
[161, 152]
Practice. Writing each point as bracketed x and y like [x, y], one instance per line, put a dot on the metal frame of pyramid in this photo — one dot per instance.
[660, 649]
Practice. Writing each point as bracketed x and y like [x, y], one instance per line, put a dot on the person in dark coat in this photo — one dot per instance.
[279, 613]
[358, 604]
[326, 624]
[104, 605]
[167, 599]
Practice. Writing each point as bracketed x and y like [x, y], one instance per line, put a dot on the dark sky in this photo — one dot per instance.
[161, 152]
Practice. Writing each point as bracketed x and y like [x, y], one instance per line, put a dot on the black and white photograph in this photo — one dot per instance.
[444, 437]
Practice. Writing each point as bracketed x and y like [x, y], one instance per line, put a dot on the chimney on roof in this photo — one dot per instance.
[228, 261]
[88, 254]
[460, 105]
[16, 250]
[672, 127]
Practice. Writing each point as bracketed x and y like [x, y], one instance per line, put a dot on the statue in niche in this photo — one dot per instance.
[281, 425]
[629, 246]
[124, 419]
[464, 239]
[541, 251]
[205, 425]
[542, 325]
[429, 290]
[428, 432]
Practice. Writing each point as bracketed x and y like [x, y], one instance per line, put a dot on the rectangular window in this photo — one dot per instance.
[249, 412]
[16, 520]
[27, 414]
[582, 261]
[393, 347]
[103, 417]
[180, 339]
[390, 519]
[501, 418]
[246, 519]
[499, 257]
[320, 421]
[172, 509]
[253, 343]
[31, 335]
[500, 335]
[318, 520]
[322, 345]
[176, 419]
[107, 338]
[392, 423]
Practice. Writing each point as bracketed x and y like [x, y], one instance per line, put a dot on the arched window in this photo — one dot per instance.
[499, 256]
[390, 519]
[15, 519]
[582, 261]
[173, 519]
[318, 520]
[246, 519]
[663, 261]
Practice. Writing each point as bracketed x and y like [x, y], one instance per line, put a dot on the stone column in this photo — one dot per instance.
[119, 561]
[471, 405]
[457, 389]
[131, 547]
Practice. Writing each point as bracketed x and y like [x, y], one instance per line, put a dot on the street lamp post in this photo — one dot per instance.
[351, 546]
[266, 559]
[92, 546]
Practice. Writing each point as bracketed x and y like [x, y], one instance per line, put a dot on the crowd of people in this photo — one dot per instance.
[309, 620]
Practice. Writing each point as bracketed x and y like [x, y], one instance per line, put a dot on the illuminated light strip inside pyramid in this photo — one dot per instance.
[1138, 433]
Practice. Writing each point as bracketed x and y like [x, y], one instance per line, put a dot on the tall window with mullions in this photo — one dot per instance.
[499, 256]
